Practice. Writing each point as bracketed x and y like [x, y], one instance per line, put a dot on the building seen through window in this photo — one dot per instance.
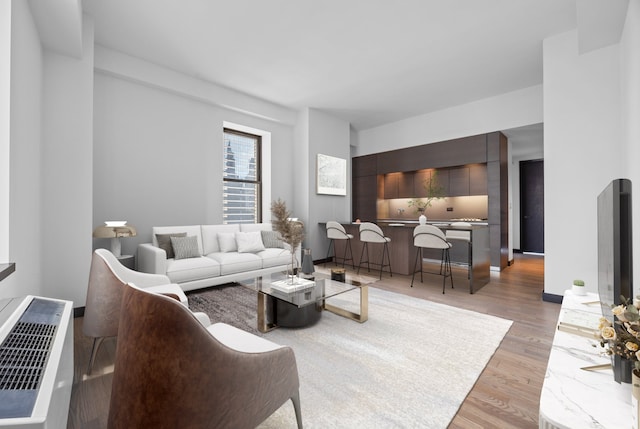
[241, 178]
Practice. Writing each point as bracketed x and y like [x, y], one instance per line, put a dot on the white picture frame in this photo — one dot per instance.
[331, 175]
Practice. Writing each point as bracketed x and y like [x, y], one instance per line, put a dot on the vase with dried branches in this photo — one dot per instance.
[292, 231]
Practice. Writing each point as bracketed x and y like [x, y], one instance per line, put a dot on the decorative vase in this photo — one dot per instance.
[307, 262]
[635, 398]
[622, 369]
[422, 218]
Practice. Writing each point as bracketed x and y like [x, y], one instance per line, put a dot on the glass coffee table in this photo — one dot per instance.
[304, 307]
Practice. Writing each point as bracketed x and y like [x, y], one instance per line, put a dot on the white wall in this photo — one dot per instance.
[26, 182]
[583, 152]
[5, 127]
[511, 110]
[328, 135]
[630, 89]
[67, 161]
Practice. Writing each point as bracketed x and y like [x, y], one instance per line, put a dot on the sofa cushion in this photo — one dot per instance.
[186, 270]
[188, 229]
[272, 239]
[249, 242]
[164, 242]
[227, 242]
[272, 257]
[210, 236]
[185, 247]
[234, 262]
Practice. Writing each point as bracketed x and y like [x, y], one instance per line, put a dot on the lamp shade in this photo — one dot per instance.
[114, 231]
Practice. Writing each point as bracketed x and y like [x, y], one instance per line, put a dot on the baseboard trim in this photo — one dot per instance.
[550, 297]
[78, 312]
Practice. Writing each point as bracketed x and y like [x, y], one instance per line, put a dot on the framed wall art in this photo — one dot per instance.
[331, 175]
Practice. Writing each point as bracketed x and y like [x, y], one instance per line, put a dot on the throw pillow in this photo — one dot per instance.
[164, 242]
[272, 239]
[185, 247]
[227, 242]
[249, 242]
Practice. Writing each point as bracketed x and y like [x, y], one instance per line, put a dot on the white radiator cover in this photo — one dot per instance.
[51, 406]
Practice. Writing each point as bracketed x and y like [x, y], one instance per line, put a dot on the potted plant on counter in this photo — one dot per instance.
[433, 191]
[578, 287]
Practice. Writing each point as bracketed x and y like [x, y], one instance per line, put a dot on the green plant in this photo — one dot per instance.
[578, 283]
[434, 191]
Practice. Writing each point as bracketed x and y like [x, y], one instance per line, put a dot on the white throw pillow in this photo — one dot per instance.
[227, 242]
[249, 242]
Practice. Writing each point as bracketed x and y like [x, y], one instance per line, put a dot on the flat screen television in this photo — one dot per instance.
[615, 256]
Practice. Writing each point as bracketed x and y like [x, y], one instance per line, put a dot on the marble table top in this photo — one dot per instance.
[573, 397]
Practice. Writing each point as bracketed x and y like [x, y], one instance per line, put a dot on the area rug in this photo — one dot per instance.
[410, 365]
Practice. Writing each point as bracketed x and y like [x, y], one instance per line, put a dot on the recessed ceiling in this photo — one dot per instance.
[369, 62]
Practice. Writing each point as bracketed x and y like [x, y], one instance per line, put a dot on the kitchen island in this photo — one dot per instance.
[403, 252]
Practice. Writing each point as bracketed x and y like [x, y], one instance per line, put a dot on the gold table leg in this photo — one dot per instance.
[364, 307]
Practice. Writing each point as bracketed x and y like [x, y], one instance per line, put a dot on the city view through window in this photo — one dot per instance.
[241, 178]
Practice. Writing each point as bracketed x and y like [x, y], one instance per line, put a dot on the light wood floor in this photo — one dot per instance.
[505, 396]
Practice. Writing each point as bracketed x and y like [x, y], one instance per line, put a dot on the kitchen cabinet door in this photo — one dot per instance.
[419, 179]
[405, 185]
[440, 177]
[391, 183]
[478, 179]
[458, 181]
[365, 194]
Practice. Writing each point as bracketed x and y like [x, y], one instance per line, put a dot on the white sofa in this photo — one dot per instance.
[216, 261]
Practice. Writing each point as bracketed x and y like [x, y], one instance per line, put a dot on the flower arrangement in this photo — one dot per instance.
[292, 231]
[433, 191]
[622, 337]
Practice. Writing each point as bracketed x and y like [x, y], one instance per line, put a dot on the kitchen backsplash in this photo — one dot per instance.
[463, 207]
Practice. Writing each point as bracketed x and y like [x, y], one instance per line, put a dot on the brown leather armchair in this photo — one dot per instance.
[173, 372]
[107, 280]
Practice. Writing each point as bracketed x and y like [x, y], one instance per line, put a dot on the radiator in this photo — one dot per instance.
[36, 362]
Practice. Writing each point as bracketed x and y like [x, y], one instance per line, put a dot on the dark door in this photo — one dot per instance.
[532, 206]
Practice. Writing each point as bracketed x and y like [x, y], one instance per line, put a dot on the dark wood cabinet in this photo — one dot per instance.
[365, 195]
[478, 179]
[440, 178]
[364, 166]
[406, 185]
[475, 165]
[420, 178]
[391, 185]
[458, 182]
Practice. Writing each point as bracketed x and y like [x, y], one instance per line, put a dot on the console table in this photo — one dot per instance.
[572, 397]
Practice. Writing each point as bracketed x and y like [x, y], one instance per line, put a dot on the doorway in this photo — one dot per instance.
[532, 206]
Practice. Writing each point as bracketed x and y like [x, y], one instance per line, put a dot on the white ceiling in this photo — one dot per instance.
[368, 61]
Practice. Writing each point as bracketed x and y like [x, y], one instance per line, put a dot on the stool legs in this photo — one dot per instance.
[348, 251]
[385, 251]
[445, 265]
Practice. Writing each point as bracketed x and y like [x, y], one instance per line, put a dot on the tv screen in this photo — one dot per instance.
[615, 256]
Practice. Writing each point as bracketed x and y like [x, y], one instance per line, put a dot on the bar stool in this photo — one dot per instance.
[463, 236]
[431, 237]
[371, 233]
[336, 231]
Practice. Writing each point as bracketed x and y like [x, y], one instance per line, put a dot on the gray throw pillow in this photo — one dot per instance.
[164, 242]
[185, 247]
[272, 239]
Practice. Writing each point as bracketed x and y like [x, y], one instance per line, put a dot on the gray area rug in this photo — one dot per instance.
[409, 366]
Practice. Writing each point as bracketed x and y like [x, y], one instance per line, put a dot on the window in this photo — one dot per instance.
[241, 178]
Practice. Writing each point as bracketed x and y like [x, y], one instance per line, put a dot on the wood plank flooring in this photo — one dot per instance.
[506, 394]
